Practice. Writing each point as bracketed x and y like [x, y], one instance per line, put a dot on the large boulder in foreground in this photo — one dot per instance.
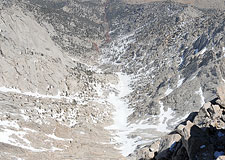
[200, 137]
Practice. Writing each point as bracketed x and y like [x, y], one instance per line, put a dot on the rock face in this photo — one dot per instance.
[201, 136]
[172, 52]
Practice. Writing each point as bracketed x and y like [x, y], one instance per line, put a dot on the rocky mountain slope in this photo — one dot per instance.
[174, 51]
[97, 79]
[49, 100]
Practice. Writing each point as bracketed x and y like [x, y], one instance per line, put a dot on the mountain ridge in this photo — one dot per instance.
[216, 4]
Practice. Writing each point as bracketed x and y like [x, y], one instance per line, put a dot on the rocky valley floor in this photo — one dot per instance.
[100, 80]
[37, 126]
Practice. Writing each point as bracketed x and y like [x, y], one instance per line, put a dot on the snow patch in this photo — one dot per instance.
[53, 149]
[32, 94]
[200, 93]
[30, 130]
[202, 51]
[125, 133]
[193, 77]
[121, 114]
[180, 82]
[220, 134]
[168, 91]
[202, 146]
[10, 133]
[181, 61]
[70, 98]
[81, 132]
[5, 89]
[164, 116]
[98, 89]
[7, 136]
[223, 80]
[53, 136]
[10, 124]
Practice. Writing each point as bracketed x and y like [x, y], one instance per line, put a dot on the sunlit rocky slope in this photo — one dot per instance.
[100, 79]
